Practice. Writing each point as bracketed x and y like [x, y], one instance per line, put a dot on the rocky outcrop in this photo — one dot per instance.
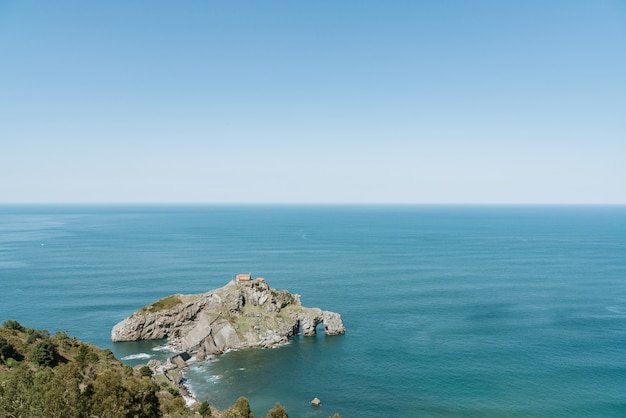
[241, 314]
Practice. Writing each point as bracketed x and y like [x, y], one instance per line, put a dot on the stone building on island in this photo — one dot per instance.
[247, 277]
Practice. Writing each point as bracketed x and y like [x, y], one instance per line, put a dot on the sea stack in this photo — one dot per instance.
[245, 313]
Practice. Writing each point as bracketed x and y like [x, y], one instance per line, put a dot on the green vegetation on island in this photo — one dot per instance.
[43, 375]
[162, 304]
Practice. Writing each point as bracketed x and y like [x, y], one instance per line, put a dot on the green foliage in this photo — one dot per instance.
[44, 353]
[61, 336]
[63, 339]
[11, 324]
[81, 358]
[113, 395]
[162, 304]
[240, 409]
[64, 378]
[11, 363]
[175, 408]
[278, 411]
[31, 338]
[57, 393]
[37, 333]
[16, 392]
[7, 351]
[108, 354]
[204, 410]
[128, 371]
[145, 371]
[86, 356]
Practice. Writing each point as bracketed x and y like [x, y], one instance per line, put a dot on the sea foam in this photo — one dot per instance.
[138, 356]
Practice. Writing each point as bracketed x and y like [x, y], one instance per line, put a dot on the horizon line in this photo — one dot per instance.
[307, 204]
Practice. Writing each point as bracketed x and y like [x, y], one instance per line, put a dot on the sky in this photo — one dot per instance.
[313, 102]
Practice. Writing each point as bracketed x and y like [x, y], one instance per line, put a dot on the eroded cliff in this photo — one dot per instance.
[241, 314]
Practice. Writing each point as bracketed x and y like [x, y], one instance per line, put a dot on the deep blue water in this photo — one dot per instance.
[450, 310]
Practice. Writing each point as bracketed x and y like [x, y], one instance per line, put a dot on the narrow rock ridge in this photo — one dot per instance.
[242, 314]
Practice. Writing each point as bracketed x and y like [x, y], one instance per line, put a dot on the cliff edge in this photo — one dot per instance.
[242, 314]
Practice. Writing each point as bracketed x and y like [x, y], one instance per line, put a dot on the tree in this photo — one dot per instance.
[44, 353]
[278, 411]
[204, 410]
[81, 357]
[16, 392]
[62, 396]
[240, 409]
[142, 398]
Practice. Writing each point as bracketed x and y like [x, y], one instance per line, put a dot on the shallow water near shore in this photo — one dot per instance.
[449, 310]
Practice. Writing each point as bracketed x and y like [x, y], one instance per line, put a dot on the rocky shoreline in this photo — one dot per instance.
[245, 313]
[173, 371]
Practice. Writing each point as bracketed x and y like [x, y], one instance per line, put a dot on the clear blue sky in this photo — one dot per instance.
[320, 101]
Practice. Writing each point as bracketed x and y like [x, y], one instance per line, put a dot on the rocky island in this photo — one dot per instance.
[245, 313]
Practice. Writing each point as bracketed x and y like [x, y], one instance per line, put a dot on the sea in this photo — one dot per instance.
[451, 311]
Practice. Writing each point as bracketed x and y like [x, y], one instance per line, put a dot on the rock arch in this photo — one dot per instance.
[307, 322]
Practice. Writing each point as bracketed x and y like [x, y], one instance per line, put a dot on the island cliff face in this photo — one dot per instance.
[241, 314]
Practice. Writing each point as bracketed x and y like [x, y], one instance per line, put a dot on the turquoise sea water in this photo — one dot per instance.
[450, 310]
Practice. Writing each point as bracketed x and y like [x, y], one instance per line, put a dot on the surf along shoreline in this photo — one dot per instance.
[245, 313]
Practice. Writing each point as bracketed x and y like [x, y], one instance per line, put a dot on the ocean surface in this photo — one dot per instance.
[450, 310]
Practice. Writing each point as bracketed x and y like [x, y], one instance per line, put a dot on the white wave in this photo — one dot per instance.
[212, 378]
[138, 356]
[197, 367]
[167, 348]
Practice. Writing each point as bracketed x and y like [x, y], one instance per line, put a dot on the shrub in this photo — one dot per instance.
[145, 371]
[204, 410]
[127, 370]
[35, 334]
[43, 333]
[81, 357]
[11, 363]
[62, 338]
[240, 409]
[44, 353]
[11, 324]
[162, 304]
[278, 411]
[61, 335]
[86, 356]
